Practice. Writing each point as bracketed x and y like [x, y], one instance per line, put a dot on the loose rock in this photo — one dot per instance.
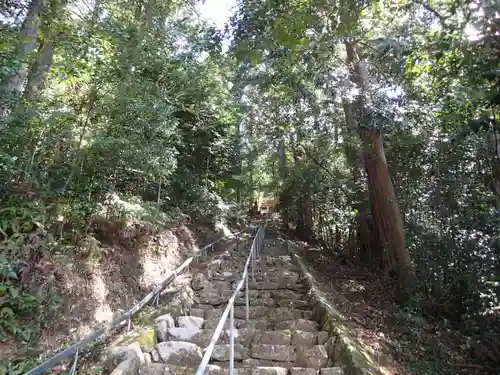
[179, 353]
[163, 323]
[191, 322]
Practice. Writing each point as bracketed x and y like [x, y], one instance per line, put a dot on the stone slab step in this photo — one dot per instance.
[267, 324]
[162, 369]
[308, 357]
[215, 298]
[271, 302]
[262, 312]
[248, 336]
[241, 323]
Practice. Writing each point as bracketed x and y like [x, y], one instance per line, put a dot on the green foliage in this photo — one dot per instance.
[14, 305]
[17, 367]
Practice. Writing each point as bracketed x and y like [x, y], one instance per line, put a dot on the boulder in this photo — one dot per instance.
[192, 322]
[179, 353]
[162, 324]
[133, 361]
[200, 337]
[117, 355]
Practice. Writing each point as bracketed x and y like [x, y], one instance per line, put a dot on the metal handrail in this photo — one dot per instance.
[257, 242]
[75, 348]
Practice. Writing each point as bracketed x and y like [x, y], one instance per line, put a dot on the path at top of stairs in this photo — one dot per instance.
[280, 337]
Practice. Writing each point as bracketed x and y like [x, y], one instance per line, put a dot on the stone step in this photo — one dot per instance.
[261, 312]
[248, 336]
[308, 357]
[270, 302]
[162, 369]
[214, 298]
[270, 285]
[267, 324]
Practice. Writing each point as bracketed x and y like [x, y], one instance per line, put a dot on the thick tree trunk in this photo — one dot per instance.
[38, 72]
[385, 209]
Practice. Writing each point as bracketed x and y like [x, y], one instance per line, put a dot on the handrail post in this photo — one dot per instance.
[253, 261]
[247, 297]
[231, 340]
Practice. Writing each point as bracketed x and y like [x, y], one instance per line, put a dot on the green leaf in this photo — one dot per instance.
[6, 312]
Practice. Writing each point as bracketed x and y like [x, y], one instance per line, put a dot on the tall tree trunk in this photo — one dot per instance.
[283, 175]
[38, 72]
[238, 94]
[13, 86]
[307, 204]
[386, 213]
[366, 240]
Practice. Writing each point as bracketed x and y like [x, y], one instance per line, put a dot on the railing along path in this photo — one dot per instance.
[126, 317]
[255, 249]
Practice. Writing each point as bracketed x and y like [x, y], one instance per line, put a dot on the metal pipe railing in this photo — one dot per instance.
[74, 349]
[229, 311]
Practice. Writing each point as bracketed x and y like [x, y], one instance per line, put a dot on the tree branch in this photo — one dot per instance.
[432, 10]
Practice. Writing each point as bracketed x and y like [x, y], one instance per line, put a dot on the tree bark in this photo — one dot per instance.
[38, 72]
[283, 175]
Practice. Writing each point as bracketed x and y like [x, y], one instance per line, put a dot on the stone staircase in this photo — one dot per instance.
[280, 337]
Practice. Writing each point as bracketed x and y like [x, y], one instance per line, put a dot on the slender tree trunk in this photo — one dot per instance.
[307, 213]
[386, 213]
[283, 175]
